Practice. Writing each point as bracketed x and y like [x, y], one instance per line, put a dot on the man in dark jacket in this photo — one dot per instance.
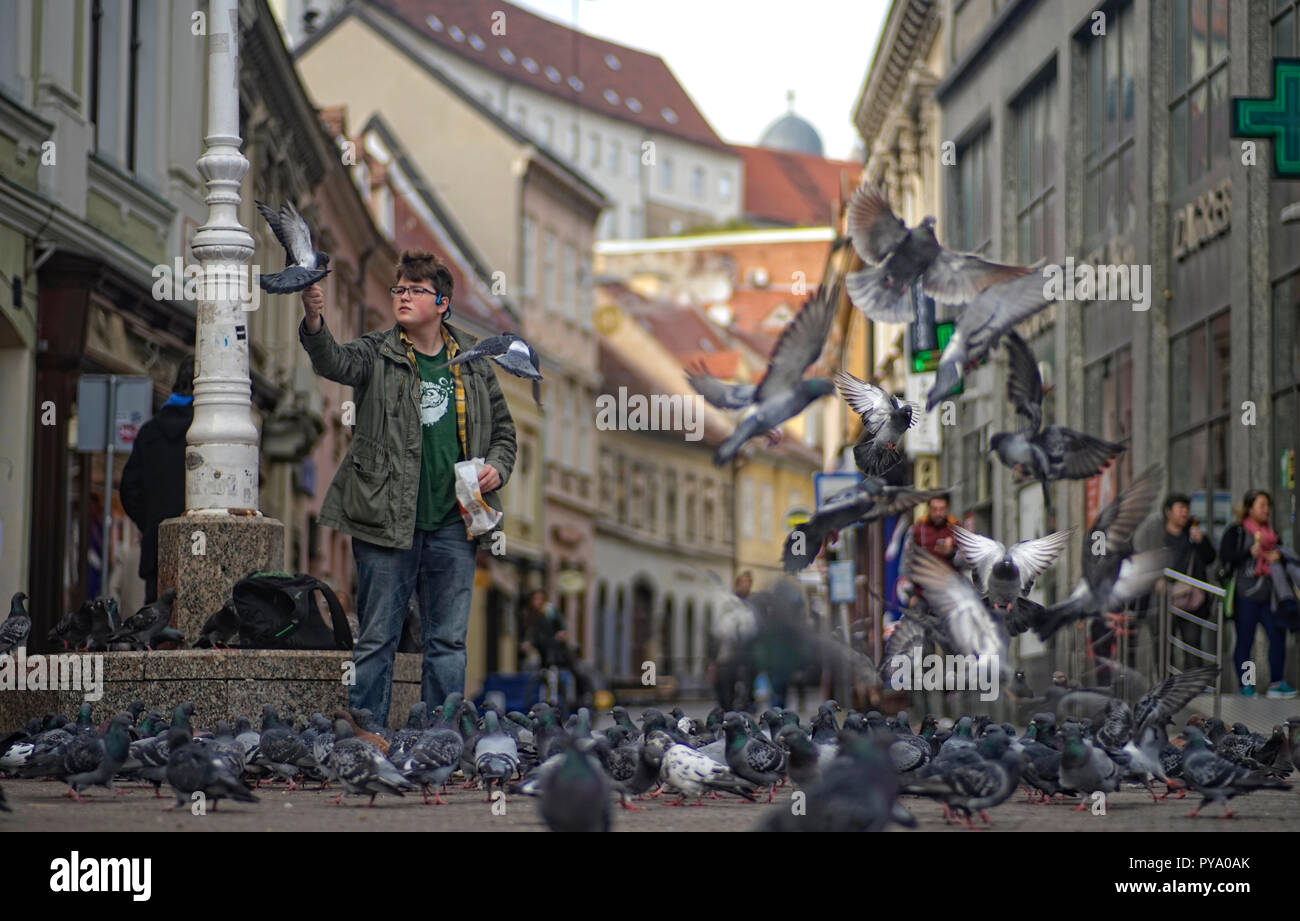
[1191, 552]
[153, 482]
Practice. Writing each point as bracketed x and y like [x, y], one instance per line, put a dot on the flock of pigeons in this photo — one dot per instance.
[96, 626]
[851, 775]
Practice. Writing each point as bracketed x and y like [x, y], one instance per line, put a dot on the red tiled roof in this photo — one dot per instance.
[795, 189]
[752, 308]
[682, 331]
[565, 53]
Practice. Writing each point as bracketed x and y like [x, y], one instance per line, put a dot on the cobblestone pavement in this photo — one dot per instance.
[41, 806]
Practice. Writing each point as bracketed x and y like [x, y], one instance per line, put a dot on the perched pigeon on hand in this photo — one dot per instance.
[884, 421]
[867, 501]
[1112, 574]
[783, 393]
[17, 626]
[303, 265]
[981, 325]
[511, 353]
[902, 256]
[1045, 454]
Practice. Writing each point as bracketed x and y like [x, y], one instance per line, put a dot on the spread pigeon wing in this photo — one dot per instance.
[970, 625]
[1081, 455]
[997, 309]
[980, 552]
[955, 278]
[867, 400]
[873, 227]
[718, 393]
[1120, 519]
[800, 344]
[1164, 700]
[1034, 557]
[1024, 383]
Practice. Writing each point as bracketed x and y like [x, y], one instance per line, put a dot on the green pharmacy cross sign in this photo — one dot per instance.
[1276, 117]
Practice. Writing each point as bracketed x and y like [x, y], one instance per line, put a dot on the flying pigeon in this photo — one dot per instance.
[884, 421]
[511, 353]
[867, 501]
[980, 326]
[149, 626]
[783, 392]
[1005, 577]
[303, 266]
[901, 257]
[1112, 574]
[14, 631]
[1045, 454]
[974, 631]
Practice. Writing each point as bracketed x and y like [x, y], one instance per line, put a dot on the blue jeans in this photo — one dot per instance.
[1249, 615]
[439, 567]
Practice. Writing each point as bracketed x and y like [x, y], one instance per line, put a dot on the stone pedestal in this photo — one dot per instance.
[223, 684]
[203, 556]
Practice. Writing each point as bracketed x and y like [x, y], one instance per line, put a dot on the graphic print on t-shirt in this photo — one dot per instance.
[435, 396]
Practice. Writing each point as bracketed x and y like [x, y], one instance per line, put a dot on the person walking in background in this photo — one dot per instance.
[153, 481]
[1249, 550]
[546, 632]
[1190, 552]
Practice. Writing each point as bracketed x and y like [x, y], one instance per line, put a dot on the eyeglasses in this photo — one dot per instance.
[416, 291]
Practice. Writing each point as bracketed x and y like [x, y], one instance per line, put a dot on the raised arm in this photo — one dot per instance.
[348, 364]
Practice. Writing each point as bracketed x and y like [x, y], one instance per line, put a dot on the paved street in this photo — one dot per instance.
[40, 806]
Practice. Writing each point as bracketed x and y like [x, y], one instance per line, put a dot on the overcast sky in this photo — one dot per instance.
[737, 58]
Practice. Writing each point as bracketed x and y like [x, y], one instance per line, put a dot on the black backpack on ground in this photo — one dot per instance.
[278, 611]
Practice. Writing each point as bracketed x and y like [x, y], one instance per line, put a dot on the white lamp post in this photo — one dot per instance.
[222, 460]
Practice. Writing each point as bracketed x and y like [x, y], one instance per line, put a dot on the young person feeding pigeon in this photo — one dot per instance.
[394, 493]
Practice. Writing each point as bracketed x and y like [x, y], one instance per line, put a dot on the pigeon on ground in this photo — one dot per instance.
[361, 767]
[496, 755]
[1044, 454]
[885, 419]
[975, 786]
[690, 773]
[758, 761]
[1113, 575]
[219, 628]
[303, 265]
[148, 627]
[1086, 769]
[73, 629]
[869, 500]
[280, 750]
[17, 626]
[436, 754]
[112, 751]
[1005, 577]
[510, 352]
[783, 392]
[193, 768]
[576, 793]
[803, 759]
[902, 257]
[1217, 779]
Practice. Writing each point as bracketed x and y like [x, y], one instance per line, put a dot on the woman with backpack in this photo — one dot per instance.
[1249, 550]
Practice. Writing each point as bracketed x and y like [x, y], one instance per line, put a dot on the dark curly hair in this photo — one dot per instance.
[418, 265]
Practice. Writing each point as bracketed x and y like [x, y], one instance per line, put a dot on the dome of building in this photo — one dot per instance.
[790, 132]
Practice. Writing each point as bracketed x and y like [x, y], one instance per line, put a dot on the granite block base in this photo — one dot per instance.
[203, 556]
[223, 684]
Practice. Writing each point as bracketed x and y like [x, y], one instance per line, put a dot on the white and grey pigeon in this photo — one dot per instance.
[511, 353]
[496, 755]
[691, 773]
[1006, 576]
[783, 393]
[900, 257]
[17, 626]
[303, 264]
[885, 419]
[974, 630]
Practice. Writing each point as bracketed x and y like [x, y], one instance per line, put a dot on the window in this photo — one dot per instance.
[573, 142]
[585, 311]
[615, 157]
[1198, 107]
[972, 206]
[1036, 173]
[1199, 419]
[569, 416]
[520, 117]
[765, 512]
[1108, 406]
[697, 182]
[9, 79]
[666, 174]
[670, 505]
[570, 298]
[633, 163]
[528, 257]
[583, 461]
[548, 270]
[747, 504]
[548, 130]
[1286, 404]
[975, 468]
[634, 223]
[593, 145]
[724, 187]
[1108, 159]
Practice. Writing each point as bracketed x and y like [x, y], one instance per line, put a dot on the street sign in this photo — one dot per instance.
[132, 406]
[840, 574]
[1275, 117]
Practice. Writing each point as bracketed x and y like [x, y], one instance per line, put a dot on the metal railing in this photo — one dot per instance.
[1169, 642]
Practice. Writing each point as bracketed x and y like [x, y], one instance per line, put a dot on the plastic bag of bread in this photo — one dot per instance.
[479, 516]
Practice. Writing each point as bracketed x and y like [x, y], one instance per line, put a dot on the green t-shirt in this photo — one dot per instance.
[436, 506]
